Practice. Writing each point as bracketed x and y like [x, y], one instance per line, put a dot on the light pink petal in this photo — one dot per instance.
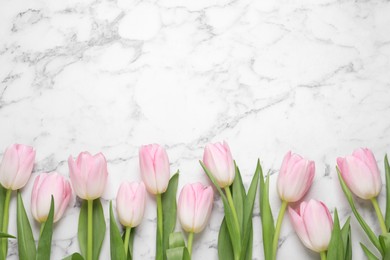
[76, 179]
[162, 170]
[299, 226]
[186, 208]
[97, 177]
[147, 170]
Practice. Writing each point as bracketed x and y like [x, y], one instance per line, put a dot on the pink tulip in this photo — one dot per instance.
[313, 224]
[194, 207]
[130, 203]
[16, 166]
[219, 161]
[154, 165]
[361, 174]
[88, 175]
[295, 177]
[46, 185]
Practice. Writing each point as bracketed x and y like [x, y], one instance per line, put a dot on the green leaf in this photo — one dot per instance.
[176, 239]
[5, 235]
[98, 227]
[75, 256]
[169, 207]
[368, 253]
[371, 235]
[44, 244]
[336, 246]
[236, 243]
[267, 220]
[178, 253]
[248, 211]
[387, 174]
[116, 244]
[26, 243]
[238, 194]
[225, 248]
[347, 241]
[385, 243]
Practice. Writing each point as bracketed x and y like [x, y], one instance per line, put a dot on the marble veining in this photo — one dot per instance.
[267, 76]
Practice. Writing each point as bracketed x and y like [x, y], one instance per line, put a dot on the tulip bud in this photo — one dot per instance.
[219, 161]
[154, 165]
[130, 203]
[295, 177]
[16, 166]
[46, 185]
[313, 224]
[194, 207]
[88, 175]
[361, 174]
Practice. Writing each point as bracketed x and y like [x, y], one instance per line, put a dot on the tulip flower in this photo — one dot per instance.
[295, 177]
[15, 170]
[361, 174]
[194, 209]
[294, 180]
[88, 175]
[219, 161]
[45, 186]
[313, 224]
[154, 165]
[16, 166]
[130, 205]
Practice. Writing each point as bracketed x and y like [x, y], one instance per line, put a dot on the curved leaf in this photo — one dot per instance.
[369, 254]
[5, 235]
[26, 243]
[44, 244]
[225, 249]
[239, 196]
[336, 246]
[75, 256]
[116, 244]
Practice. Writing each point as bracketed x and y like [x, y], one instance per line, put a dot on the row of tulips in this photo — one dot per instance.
[312, 221]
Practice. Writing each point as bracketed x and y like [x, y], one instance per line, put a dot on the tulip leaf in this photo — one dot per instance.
[346, 237]
[44, 244]
[98, 227]
[248, 211]
[178, 253]
[369, 254]
[5, 235]
[75, 256]
[225, 249]
[236, 243]
[336, 245]
[169, 207]
[116, 244]
[371, 235]
[385, 243]
[176, 240]
[267, 220]
[238, 194]
[387, 173]
[26, 243]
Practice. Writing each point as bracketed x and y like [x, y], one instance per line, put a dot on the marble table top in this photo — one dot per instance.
[266, 76]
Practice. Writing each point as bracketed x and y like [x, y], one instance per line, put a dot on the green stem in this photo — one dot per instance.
[189, 244]
[237, 225]
[90, 230]
[380, 216]
[277, 229]
[41, 229]
[127, 237]
[4, 241]
[323, 255]
[160, 246]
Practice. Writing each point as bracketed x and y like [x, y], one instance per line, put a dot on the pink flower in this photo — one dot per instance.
[313, 224]
[130, 203]
[194, 207]
[295, 177]
[154, 165]
[16, 166]
[46, 185]
[88, 175]
[219, 161]
[361, 174]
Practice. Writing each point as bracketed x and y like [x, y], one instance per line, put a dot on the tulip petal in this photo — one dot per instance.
[299, 226]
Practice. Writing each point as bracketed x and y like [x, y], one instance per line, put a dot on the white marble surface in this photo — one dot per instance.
[265, 75]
